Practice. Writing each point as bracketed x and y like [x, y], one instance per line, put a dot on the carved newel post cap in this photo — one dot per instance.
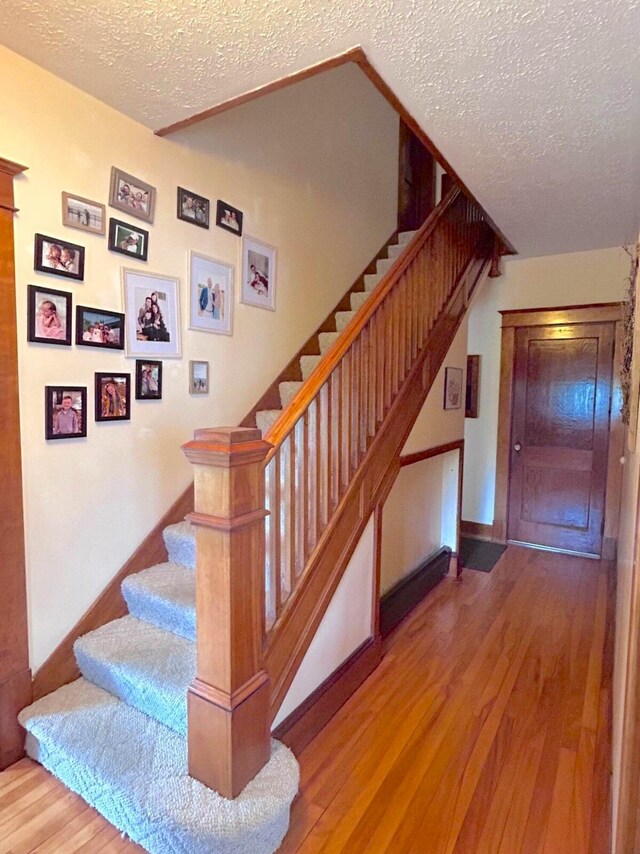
[226, 446]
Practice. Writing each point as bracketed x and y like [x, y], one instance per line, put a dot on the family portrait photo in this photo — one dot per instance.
[258, 274]
[198, 377]
[132, 195]
[193, 208]
[148, 380]
[58, 257]
[83, 214]
[229, 217]
[128, 240]
[48, 316]
[65, 412]
[98, 328]
[113, 398]
[152, 315]
[211, 294]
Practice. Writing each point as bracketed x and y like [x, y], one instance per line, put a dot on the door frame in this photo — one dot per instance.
[563, 315]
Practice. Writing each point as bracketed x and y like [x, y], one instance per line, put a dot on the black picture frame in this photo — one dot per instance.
[40, 328]
[88, 318]
[55, 427]
[120, 401]
[122, 234]
[142, 386]
[193, 208]
[58, 257]
[225, 211]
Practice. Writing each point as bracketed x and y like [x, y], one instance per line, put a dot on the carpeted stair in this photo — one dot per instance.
[117, 736]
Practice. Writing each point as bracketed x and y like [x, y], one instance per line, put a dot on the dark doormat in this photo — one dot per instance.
[479, 554]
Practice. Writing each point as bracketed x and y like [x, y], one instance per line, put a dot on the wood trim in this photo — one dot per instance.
[61, 668]
[456, 569]
[594, 313]
[378, 516]
[613, 493]
[428, 453]
[476, 529]
[411, 590]
[311, 716]
[15, 677]
[507, 353]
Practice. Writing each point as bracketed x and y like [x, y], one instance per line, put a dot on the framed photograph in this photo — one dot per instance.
[128, 240]
[193, 208]
[96, 327]
[132, 195]
[199, 377]
[258, 274]
[152, 315]
[83, 214]
[472, 387]
[59, 257]
[229, 217]
[148, 380]
[65, 412]
[48, 315]
[113, 397]
[210, 295]
[452, 388]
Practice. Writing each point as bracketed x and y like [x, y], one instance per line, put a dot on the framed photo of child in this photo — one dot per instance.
[148, 380]
[58, 257]
[65, 412]
[113, 397]
[258, 274]
[211, 294]
[152, 315]
[48, 316]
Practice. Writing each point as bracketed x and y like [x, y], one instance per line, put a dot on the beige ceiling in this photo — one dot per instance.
[535, 103]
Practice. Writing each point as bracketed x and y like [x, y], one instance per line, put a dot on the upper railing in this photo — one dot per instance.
[322, 436]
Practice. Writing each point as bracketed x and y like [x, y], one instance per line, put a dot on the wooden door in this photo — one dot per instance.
[560, 435]
[416, 181]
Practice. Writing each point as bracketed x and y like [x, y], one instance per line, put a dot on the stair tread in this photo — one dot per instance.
[358, 299]
[266, 418]
[165, 596]
[133, 771]
[146, 667]
[342, 319]
[371, 280]
[308, 363]
[288, 391]
[406, 236]
[180, 541]
[326, 339]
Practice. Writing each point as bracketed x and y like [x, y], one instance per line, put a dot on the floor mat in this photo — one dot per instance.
[479, 554]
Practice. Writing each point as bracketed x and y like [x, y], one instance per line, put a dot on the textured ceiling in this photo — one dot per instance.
[535, 103]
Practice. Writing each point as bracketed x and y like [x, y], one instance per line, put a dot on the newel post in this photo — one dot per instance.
[228, 703]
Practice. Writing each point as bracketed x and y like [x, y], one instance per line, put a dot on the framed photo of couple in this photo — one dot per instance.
[258, 274]
[152, 315]
[211, 295]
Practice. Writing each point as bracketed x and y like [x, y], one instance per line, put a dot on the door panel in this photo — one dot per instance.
[559, 435]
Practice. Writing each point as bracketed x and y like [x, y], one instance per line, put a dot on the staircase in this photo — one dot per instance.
[118, 736]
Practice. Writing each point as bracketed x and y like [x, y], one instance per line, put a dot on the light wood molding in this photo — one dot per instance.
[15, 679]
[476, 529]
[228, 703]
[596, 313]
[409, 591]
[429, 453]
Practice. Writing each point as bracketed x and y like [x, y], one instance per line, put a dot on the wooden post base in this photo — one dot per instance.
[15, 694]
[229, 737]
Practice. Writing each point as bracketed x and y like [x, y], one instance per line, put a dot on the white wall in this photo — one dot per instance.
[577, 278]
[323, 190]
[347, 623]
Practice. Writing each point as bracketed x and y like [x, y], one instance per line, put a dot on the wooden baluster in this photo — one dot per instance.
[277, 530]
[404, 309]
[228, 702]
[345, 418]
[299, 496]
[336, 444]
[380, 364]
[312, 484]
[372, 382]
[271, 537]
[288, 482]
[324, 457]
[355, 400]
[365, 357]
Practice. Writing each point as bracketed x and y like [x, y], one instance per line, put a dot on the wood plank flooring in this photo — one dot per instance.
[485, 730]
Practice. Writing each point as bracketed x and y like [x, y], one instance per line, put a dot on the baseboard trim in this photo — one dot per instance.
[476, 529]
[410, 591]
[305, 722]
[15, 694]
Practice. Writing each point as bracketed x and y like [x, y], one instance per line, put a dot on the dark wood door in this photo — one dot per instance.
[560, 435]
[416, 181]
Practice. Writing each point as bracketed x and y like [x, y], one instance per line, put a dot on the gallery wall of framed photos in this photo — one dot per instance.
[123, 189]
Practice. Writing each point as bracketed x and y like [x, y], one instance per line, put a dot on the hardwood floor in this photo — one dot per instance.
[485, 730]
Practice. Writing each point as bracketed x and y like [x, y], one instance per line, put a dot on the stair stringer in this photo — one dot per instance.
[291, 635]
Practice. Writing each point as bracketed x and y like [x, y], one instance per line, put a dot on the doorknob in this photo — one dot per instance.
[517, 446]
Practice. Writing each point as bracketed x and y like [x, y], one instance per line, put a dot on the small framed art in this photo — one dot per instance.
[83, 214]
[96, 327]
[258, 274]
[229, 217]
[65, 412]
[193, 208]
[128, 240]
[199, 377]
[58, 257]
[152, 315]
[148, 380]
[210, 295]
[452, 388]
[132, 195]
[113, 397]
[48, 315]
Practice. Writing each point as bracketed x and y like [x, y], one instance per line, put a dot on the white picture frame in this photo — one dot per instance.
[146, 336]
[210, 294]
[258, 286]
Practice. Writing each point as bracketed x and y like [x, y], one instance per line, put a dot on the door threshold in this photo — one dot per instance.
[553, 549]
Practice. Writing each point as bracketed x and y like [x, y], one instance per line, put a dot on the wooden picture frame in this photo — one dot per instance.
[229, 218]
[97, 327]
[48, 316]
[84, 214]
[452, 388]
[148, 379]
[131, 195]
[113, 397]
[58, 257]
[128, 240]
[193, 208]
[72, 423]
[472, 395]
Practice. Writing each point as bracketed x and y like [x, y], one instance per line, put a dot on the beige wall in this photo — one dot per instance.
[304, 186]
[578, 278]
